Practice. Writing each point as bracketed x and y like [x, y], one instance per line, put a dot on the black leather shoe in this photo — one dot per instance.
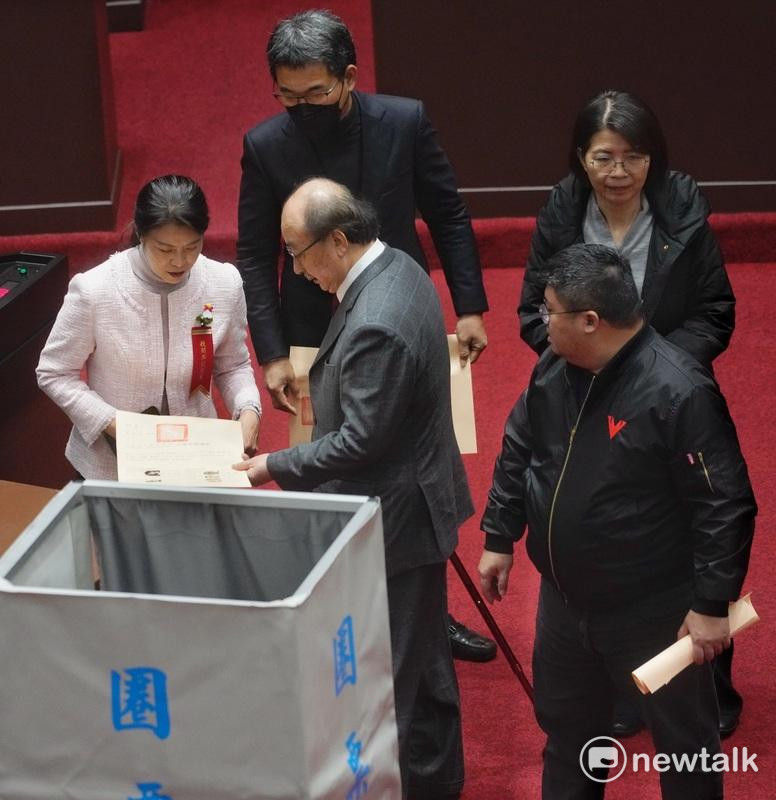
[727, 724]
[623, 727]
[468, 645]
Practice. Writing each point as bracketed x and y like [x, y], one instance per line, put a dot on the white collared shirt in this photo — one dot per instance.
[369, 256]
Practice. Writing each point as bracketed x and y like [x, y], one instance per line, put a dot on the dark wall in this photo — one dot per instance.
[503, 80]
[125, 15]
[59, 161]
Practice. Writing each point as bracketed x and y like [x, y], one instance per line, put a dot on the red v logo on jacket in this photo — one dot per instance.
[615, 427]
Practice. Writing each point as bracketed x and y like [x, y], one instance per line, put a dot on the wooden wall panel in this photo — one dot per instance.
[59, 159]
[504, 79]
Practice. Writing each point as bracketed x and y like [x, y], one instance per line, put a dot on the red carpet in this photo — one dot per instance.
[186, 89]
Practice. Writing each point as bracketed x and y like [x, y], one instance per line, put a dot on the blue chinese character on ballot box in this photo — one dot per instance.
[344, 656]
[150, 791]
[139, 700]
[360, 787]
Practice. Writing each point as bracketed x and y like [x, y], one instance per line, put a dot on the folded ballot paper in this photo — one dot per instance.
[658, 671]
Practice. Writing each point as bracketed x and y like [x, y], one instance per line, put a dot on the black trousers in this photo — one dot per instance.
[428, 713]
[582, 658]
[730, 701]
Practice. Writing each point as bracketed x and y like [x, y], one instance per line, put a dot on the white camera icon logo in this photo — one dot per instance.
[606, 757]
[603, 752]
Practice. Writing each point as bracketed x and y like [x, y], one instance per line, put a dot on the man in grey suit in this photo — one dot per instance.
[380, 391]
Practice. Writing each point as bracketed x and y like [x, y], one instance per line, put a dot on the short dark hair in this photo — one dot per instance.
[595, 277]
[337, 209]
[311, 37]
[632, 118]
[171, 199]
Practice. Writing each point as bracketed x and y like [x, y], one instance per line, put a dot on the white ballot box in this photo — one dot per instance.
[237, 647]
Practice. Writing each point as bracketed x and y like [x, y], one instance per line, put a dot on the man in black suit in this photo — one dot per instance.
[380, 390]
[382, 148]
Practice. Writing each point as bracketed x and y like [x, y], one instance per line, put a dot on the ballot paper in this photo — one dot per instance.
[658, 671]
[178, 451]
[300, 427]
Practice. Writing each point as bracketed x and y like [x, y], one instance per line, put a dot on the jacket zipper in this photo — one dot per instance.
[705, 471]
[557, 488]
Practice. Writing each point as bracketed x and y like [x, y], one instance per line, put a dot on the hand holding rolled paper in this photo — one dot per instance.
[658, 671]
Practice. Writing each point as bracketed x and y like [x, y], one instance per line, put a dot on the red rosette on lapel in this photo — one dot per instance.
[202, 351]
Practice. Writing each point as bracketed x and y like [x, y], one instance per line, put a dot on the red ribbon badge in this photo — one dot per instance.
[202, 365]
[615, 427]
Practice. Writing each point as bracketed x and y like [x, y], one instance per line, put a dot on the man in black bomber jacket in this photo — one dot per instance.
[623, 462]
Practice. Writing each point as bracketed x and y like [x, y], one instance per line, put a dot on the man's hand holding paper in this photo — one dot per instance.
[664, 666]
[471, 337]
[709, 635]
[255, 468]
[281, 383]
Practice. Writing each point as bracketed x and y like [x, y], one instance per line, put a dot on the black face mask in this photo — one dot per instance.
[316, 121]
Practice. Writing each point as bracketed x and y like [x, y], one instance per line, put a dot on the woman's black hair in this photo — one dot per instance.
[633, 119]
[171, 199]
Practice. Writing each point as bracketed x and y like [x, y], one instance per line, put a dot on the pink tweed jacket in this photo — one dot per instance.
[111, 325]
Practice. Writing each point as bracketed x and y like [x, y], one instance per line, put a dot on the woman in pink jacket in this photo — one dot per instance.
[135, 323]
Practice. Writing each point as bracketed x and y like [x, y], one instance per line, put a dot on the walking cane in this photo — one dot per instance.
[474, 592]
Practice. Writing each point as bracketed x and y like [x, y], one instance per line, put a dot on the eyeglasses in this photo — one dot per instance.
[545, 314]
[312, 98]
[305, 249]
[632, 163]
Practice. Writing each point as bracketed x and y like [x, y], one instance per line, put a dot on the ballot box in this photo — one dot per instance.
[193, 644]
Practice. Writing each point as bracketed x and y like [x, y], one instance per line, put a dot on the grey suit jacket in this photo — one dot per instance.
[380, 391]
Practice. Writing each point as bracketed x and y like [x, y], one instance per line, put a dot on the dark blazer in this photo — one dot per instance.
[686, 295]
[380, 391]
[403, 169]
